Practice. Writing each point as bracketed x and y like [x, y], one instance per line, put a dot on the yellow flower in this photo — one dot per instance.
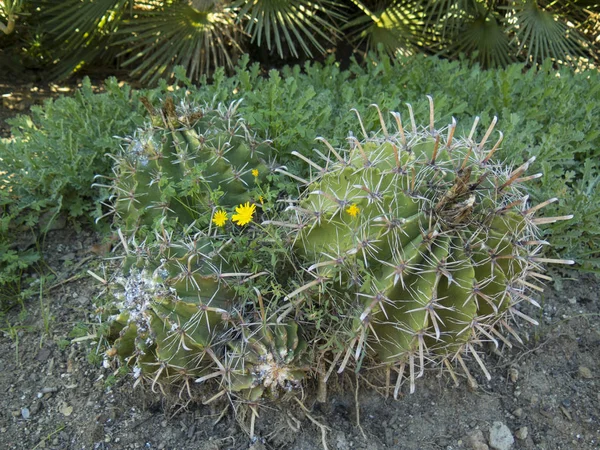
[243, 214]
[353, 210]
[255, 172]
[261, 199]
[220, 218]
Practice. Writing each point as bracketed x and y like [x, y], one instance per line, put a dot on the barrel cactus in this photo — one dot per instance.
[186, 164]
[177, 320]
[421, 244]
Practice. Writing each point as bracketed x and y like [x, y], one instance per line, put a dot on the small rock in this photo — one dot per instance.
[522, 433]
[585, 372]
[513, 374]
[500, 437]
[65, 409]
[35, 407]
[518, 412]
[476, 441]
[25, 413]
[43, 354]
[257, 446]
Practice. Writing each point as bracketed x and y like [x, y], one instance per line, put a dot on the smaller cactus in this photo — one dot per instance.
[178, 320]
[173, 310]
[185, 164]
[273, 357]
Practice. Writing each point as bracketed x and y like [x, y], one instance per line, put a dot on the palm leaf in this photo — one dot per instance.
[179, 34]
[288, 24]
[542, 34]
[78, 32]
[76, 23]
[484, 40]
[445, 18]
[396, 26]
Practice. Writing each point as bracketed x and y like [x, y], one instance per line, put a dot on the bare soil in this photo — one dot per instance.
[57, 395]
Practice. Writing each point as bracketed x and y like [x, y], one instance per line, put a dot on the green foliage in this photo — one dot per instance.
[54, 154]
[150, 38]
[48, 166]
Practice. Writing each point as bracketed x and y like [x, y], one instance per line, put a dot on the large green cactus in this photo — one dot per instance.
[422, 245]
[186, 163]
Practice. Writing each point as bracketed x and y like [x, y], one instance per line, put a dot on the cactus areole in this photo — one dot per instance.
[435, 242]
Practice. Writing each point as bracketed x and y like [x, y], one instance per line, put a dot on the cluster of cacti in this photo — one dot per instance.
[177, 317]
[185, 164]
[419, 245]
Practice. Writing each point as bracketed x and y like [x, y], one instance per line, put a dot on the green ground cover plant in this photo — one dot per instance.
[47, 169]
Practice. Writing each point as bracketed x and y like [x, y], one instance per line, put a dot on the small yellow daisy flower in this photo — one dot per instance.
[255, 172]
[243, 214]
[220, 218]
[353, 210]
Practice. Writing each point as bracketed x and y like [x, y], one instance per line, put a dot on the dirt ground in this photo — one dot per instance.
[55, 394]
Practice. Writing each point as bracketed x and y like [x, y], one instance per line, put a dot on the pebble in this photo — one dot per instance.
[522, 433]
[585, 372]
[513, 374]
[35, 407]
[65, 409]
[25, 413]
[476, 441]
[501, 437]
[518, 412]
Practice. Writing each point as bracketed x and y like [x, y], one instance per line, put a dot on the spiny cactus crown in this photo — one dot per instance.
[187, 164]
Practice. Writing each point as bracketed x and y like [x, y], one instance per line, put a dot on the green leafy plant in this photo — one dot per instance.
[47, 168]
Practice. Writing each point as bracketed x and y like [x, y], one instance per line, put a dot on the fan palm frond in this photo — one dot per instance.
[396, 26]
[199, 36]
[78, 32]
[542, 34]
[290, 23]
[76, 24]
[445, 17]
[483, 39]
